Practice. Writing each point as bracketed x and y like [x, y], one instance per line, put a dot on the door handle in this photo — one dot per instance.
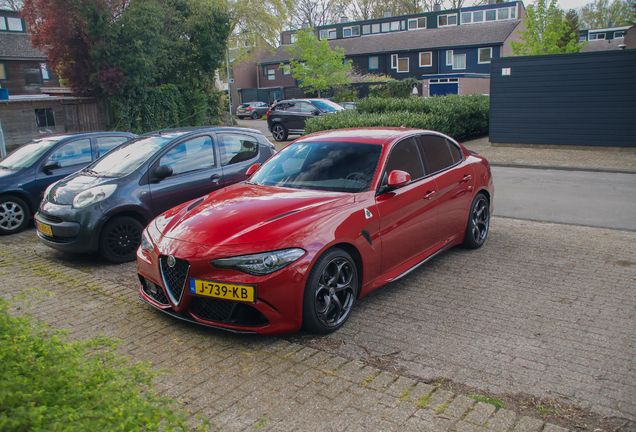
[466, 178]
[429, 194]
[215, 178]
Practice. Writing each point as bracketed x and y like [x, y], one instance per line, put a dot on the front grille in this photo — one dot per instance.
[153, 291]
[60, 240]
[226, 311]
[175, 277]
[51, 218]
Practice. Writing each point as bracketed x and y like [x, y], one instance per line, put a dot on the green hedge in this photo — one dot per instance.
[460, 117]
[48, 384]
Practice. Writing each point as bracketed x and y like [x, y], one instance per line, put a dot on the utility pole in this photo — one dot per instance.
[229, 90]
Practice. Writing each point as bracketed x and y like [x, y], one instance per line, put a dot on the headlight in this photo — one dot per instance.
[93, 195]
[260, 264]
[146, 243]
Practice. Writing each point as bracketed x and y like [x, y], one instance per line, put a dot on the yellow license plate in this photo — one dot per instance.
[45, 229]
[224, 290]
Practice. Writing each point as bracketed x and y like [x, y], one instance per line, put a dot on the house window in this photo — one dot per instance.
[449, 58]
[3, 23]
[478, 16]
[328, 34]
[467, 17]
[491, 15]
[485, 55]
[597, 36]
[394, 61]
[271, 73]
[503, 14]
[44, 70]
[446, 20]
[417, 23]
[15, 24]
[426, 59]
[374, 62]
[286, 69]
[375, 28]
[619, 35]
[582, 38]
[403, 24]
[403, 65]
[513, 13]
[44, 117]
[385, 27]
[459, 61]
[395, 25]
[32, 77]
[294, 38]
[366, 29]
[351, 31]
[3, 71]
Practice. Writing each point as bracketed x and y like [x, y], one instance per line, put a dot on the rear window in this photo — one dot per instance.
[326, 105]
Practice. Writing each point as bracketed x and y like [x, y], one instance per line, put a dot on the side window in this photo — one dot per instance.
[307, 108]
[106, 144]
[455, 151]
[73, 153]
[292, 107]
[437, 154]
[192, 155]
[406, 157]
[237, 148]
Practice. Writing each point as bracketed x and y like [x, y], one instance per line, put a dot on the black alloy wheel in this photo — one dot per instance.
[478, 222]
[255, 115]
[120, 238]
[279, 132]
[330, 292]
[14, 215]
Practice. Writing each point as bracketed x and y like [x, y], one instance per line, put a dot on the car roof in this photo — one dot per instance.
[182, 131]
[66, 136]
[370, 135]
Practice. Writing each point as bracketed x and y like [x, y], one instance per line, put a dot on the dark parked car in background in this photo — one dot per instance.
[252, 109]
[288, 117]
[348, 105]
[30, 169]
[106, 206]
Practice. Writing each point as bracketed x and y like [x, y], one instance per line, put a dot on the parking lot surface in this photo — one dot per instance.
[543, 312]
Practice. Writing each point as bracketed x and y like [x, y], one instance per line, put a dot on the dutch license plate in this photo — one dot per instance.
[224, 290]
[45, 229]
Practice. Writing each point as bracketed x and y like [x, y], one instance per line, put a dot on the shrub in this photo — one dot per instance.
[48, 384]
[458, 116]
[394, 89]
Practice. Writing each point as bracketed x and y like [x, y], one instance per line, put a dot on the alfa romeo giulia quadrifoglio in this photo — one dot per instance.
[331, 217]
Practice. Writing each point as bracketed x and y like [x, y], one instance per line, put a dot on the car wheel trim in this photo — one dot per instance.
[123, 240]
[335, 292]
[480, 221]
[278, 132]
[11, 215]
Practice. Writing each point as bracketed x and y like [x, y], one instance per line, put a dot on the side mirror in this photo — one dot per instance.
[316, 112]
[252, 169]
[52, 166]
[398, 178]
[163, 171]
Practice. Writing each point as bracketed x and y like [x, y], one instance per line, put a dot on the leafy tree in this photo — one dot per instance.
[256, 22]
[572, 20]
[545, 30]
[14, 5]
[316, 12]
[603, 14]
[315, 64]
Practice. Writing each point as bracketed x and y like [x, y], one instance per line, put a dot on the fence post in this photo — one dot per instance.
[3, 148]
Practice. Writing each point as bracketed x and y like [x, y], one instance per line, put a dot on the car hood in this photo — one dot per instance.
[246, 213]
[6, 174]
[66, 189]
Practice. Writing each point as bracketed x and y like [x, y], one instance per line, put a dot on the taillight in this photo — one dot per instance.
[249, 108]
[267, 115]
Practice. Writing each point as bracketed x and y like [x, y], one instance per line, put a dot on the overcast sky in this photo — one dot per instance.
[569, 4]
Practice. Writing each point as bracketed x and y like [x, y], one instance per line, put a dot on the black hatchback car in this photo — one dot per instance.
[29, 170]
[106, 206]
[288, 117]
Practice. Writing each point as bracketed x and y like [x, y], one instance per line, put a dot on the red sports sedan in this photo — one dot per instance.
[331, 217]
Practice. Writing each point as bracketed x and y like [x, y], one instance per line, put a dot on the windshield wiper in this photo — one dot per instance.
[5, 167]
[90, 172]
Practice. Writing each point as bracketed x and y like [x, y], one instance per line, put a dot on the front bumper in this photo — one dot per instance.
[74, 230]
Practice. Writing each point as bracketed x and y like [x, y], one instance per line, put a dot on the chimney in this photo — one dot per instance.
[622, 46]
[387, 14]
[437, 7]
[343, 19]
[305, 25]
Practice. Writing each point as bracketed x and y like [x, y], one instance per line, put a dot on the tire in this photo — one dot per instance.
[478, 222]
[240, 117]
[14, 215]
[279, 132]
[255, 116]
[330, 292]
[120, 238]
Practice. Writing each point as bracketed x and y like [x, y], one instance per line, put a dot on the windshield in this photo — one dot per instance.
[328, 166]
[325, 105]
[28, 154]
[128, 157]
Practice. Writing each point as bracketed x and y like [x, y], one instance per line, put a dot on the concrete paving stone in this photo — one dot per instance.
[528, 424]
[503, 420]
[401, 387]
[289, 350]
[363, 399]
[318, 359]
[382, 381]
[401, 413]
[334, 389]
[439, 398]
[550, 427]
[469, 427]
[459, 406]
[332, 364]
[305, 394]
[302, 354]
[348, 369]
[309, 375]
[481, 413]
[275, 346]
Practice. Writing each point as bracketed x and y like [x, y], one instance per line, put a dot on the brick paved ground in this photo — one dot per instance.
[545, 310]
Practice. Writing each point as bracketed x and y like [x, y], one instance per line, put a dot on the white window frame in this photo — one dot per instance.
[351, 31]
[374, 26]
[479, 55]
[377, 59]
[3, 24]
[500, 11]
[394, 61]
[513, 13]
[270, 73]
[470, 17]
[582, 38]
[12, 22]
[447, 16]
[327, 33]
[417, 23]
[45, 71]
[456, 57]
[366, 27]
[407, 65]
[286, 69]
[486, 15]
[430, 59]
[483, 18]
[395, 26]
[386, 27]
[293, 38]
[621, 33]
[449, 57]
[595, 36]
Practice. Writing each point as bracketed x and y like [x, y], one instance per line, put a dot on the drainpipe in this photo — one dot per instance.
[3, 148]
[229, 90]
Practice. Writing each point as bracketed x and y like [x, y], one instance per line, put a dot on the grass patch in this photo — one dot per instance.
[442, 408]
[423, 402]
[489, 400]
